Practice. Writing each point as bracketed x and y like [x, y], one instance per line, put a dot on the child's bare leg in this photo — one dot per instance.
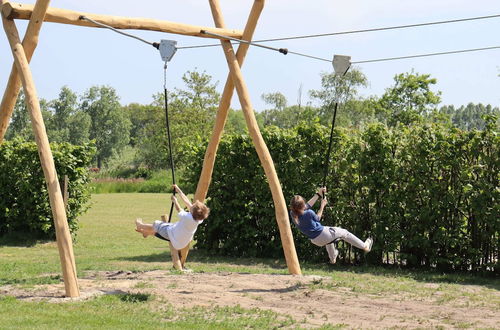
[144, 228]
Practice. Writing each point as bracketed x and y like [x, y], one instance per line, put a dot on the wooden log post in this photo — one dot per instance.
[176, 255]
[220, 119]
[225, 102]
[63, 236]
[261, 148]
[64, 16]
[30, 42]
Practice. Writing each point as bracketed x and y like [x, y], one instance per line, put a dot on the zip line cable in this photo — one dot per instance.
[384, 59]
[359, 31]
[285, 51]
[426, 55]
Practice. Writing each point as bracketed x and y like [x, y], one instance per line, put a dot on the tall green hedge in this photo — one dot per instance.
[24, 207]
[428, 194]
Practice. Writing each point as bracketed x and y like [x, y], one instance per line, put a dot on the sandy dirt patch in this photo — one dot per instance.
[283, 294]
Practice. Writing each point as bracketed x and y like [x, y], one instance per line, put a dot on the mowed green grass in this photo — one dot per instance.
[106, 241]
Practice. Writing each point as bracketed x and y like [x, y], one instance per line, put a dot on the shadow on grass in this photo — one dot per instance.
[53, 279]
[153, 257]
[20, 241]
[283, 290]
[134, 297]
[204, 258]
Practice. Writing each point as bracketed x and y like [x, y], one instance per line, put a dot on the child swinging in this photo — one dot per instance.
[308, 222]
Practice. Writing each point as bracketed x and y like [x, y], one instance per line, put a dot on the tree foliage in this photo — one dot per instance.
[470, 116]
[276, 99]
[288, 117]
[191, 115]
[409, 99]
[110, 127]
[337, 88]
[20, 125]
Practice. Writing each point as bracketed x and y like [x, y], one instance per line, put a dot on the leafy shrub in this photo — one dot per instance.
[24, 207]
[427, 193]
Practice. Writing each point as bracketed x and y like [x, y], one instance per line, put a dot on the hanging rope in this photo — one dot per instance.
[327, 156]
[169, 137]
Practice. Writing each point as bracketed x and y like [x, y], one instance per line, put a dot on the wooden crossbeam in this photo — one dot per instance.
[64, 16]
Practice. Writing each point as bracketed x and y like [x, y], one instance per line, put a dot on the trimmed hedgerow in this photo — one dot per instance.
[24, 207]
[428, 193]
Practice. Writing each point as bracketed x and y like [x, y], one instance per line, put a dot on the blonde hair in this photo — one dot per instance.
[297, 206]
[199, 211]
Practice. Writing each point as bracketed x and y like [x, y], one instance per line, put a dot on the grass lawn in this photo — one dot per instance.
[106, 241]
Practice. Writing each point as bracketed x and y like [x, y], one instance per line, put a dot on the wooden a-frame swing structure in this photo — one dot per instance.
[21, 76]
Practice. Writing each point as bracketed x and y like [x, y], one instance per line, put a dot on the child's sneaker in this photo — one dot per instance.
[333, 259]
[368, 244]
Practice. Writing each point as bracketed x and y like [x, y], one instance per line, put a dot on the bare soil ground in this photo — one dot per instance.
[283, 294]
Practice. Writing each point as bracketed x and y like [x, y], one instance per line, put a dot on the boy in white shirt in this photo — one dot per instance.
[181, 232]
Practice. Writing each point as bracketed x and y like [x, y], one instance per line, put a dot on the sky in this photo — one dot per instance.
[81, 57]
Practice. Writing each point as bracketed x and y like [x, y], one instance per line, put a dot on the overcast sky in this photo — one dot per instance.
[81, 57]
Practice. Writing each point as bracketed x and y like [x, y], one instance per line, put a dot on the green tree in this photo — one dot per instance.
[20, 125]
[109, 125]
[288, 117]
[68, 123]
[470, 116]
[409, 99]
[141, 116]
[63, 108]
[79, 128]
[191, 114]
[276, 99]
[358, 113]
[236, 123]
[337, 88]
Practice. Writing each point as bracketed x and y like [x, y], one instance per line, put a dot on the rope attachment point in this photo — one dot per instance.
[341, 64]
[167, 49]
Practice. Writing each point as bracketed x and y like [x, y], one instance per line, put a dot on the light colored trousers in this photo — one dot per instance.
[330, 235]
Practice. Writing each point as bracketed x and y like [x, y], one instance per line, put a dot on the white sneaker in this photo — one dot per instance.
[368, 244]
[333, 260]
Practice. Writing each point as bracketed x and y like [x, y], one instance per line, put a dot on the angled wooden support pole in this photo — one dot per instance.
[225, 102]
[30, 42]
[220, 119]
[63, 236]
[261, 148]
